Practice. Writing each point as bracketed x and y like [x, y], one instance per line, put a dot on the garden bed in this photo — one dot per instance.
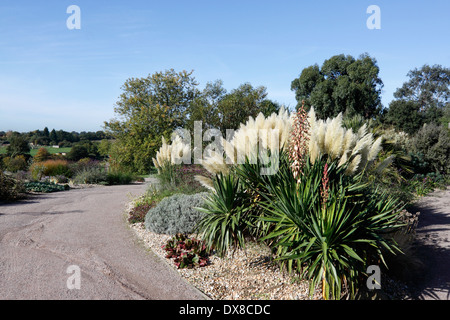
[251, 274]
[243, 275]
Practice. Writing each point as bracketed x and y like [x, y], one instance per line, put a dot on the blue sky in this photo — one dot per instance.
[70, 79]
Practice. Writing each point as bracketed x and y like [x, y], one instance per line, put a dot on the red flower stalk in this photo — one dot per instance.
[298, 147]
[325, 188]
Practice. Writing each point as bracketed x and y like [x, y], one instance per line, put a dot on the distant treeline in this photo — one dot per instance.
[60, 138]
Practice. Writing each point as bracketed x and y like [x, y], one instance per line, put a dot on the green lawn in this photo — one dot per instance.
[34, 151]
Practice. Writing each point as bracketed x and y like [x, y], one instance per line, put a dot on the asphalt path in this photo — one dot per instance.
[76, 245]
[431, 279]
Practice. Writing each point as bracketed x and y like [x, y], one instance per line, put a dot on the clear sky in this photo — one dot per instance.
[70, 79]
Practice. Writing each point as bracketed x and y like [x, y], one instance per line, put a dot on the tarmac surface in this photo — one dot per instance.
[76, 245]
[431, 280]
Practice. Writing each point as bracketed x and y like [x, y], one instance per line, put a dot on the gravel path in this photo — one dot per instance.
[40, 239]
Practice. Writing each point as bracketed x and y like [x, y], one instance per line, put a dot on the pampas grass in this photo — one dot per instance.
[331, 138]
[256, 136]
[173, 153]
[328, 137]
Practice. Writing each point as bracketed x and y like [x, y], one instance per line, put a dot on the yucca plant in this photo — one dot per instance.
[330, 241]
[226, 219]
[256, 187]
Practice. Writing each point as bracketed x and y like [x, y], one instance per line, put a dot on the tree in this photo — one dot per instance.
[217, 109]
[46, 133]
[104, 148]
[148, 109]
[422, 99]
[241, 103]
[405, 116]
[83, 149]
[41, 155]
[343, 84]
[428, 86]
[18, 146]
[53, 136]
[204, 107]
[433, 142]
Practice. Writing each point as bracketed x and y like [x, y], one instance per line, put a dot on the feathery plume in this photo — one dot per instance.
[298, 147]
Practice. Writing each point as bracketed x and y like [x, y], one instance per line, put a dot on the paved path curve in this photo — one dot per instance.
[40, 238]
[432, 279]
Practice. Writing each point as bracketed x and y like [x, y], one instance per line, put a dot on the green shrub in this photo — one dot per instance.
[50, 168]
[433, 142]
[83, 149]
[10, 189]
[175, 214]
[422, 184]
[17, 163]
[91, 175]
[119, 178]
[93, 172]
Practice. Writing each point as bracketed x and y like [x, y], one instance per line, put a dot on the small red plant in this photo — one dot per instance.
[138, 213]
[187, 253]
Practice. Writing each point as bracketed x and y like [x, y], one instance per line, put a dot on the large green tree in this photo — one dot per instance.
[205, 106]
[424, 98]
[148, 109]
[244, 102]
[18, 145]
[428, 86]
[221, 110]
[404, 115]
[342, 84]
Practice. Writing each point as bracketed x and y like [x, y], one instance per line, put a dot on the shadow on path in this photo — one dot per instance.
[432, 247]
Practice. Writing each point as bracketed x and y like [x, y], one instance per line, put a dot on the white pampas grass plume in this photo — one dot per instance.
[335, 137]
[206, 182]
[362, 131]
[384, 164]
[349, 141]
[353, 166]
[375, 149]
[255, 132]
[215, 164]
[362, 143]
[331, 138]
[173, 153]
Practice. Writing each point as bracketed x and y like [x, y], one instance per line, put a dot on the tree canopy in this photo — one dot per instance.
[424, 98]
[221, 110]
[342, 84]
[154, 107]
[148, 109]
[18, 146]
[244, 102]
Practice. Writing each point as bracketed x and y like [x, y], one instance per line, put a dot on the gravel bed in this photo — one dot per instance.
[249, 274]
[243, 275]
